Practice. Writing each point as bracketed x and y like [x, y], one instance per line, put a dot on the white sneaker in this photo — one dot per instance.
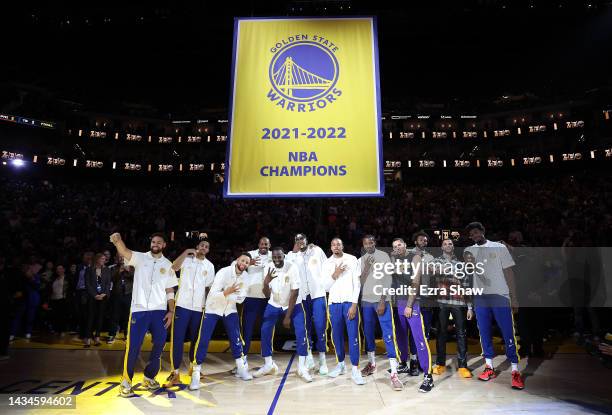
[357, 378]
[310, 364]
[246, 365]
[243, 373]
[304, 374]
[340, 369]
[266, 370]
[195, 379]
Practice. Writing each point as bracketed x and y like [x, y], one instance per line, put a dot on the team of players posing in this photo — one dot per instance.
[308, 291]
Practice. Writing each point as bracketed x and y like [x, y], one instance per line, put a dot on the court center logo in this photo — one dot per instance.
[303, 74]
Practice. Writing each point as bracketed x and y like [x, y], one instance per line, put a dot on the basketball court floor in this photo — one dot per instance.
[571, 382]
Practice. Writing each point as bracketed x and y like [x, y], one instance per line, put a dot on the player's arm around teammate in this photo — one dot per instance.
[282, 285]
[227, 290]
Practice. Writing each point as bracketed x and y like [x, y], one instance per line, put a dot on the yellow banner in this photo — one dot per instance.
[305, 111]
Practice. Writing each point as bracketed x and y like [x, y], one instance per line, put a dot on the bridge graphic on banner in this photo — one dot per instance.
[291, 76]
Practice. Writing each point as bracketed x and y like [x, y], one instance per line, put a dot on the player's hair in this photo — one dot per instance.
[278, 248]
[475, 225]
[159, 235]
[369, 236]
[245, 254]
[416, 235]
[398, 239]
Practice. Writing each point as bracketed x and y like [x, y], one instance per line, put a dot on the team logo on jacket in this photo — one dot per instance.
[303, 73]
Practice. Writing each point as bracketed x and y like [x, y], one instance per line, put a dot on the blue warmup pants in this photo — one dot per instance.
[207, 327]
[271, 316]
[338, 317]
[488, 307]
[139, 323]
[387, 323]
[316, 322]
[184, 320]
[252, 308]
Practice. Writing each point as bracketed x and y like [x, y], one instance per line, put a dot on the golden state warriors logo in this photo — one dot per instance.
[303, 73]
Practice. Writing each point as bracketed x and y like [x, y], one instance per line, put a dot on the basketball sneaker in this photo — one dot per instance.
[487, 374]
[150, 384]
[125, 389]
[517, 380]
[173, 380]
[396, 384]
[266, 370]
[369, 369]
[427, 384]
[340, 369]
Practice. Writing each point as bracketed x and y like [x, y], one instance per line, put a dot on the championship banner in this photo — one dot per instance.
[305, 116]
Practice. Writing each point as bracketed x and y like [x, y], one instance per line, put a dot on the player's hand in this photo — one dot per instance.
[189, 251]
[408, 312]
[338, 270]
[168, 319]
[352, 311]
[470, 314]
[380, 309]
[287, 321]
[116, 237]
[367, 264]
[515, 305]
[230, 290]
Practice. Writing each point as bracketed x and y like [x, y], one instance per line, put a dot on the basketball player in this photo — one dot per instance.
[496, 302]
[255, 301]
[341, 276]
[411, 311]
[282, 286]
[421, 241]
[152, 308]
[227, 290]
[196, 276]
[402, 330]
[377, 308]
[309, 260]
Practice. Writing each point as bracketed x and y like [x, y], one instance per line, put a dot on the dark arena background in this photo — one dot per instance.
[115, 118]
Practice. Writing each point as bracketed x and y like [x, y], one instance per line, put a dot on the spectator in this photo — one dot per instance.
[60, 293]
[97, 282]
[121, 299]
[27, 307]
[80, 296]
